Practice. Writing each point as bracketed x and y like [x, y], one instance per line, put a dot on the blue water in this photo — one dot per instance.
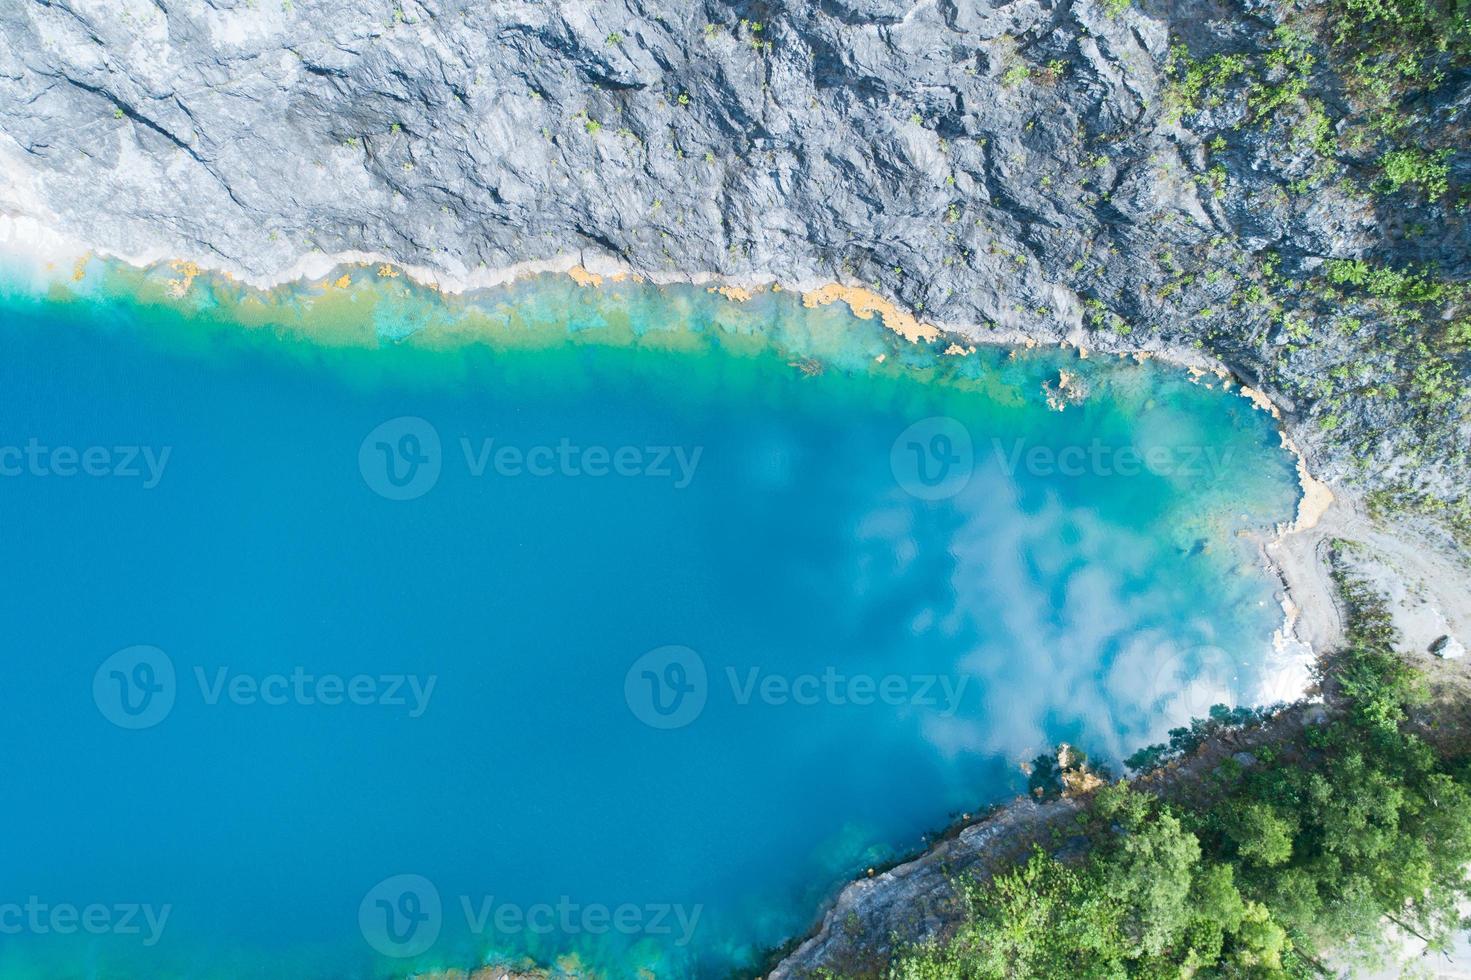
[567, 771]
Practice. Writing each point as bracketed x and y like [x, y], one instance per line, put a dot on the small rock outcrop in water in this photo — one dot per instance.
[1066, 390]
[1026, 164]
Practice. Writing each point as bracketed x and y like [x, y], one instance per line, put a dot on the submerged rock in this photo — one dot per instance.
[1067, 390]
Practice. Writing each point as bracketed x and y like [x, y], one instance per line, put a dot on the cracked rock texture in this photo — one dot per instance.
[987, 164]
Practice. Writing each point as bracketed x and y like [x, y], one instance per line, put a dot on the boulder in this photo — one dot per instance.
[1448, 648]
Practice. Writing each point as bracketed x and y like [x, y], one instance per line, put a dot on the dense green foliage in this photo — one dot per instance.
[1427, 171]
[1325, 836]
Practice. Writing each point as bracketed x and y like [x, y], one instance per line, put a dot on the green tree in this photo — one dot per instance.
[1262, 836]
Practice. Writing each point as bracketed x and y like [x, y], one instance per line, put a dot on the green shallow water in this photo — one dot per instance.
[713, 609]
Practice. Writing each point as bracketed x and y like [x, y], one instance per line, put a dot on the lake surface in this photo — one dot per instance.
[357, 631]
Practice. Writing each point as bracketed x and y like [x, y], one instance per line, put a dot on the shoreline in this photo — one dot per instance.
[1291, 554]
[31, 242]
[985, 845]
[1002, 836]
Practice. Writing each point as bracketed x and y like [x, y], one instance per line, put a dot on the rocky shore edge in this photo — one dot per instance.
[914, 900]
[879, 915]
[27, 241]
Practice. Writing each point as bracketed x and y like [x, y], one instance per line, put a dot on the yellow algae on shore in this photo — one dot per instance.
[1316, 496]
[583, 277]
[1196, 373]
[736, 294]
[865, 303]
[188, 272]
[1260, 400]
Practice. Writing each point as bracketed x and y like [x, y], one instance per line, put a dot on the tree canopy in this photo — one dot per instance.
[1359, 824]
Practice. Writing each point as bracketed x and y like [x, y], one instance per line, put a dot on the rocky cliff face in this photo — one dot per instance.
[1026, 164]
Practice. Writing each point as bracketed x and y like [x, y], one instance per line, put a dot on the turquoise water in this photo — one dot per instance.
[726, 612]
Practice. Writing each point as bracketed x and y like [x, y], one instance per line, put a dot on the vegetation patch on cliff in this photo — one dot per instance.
[1355, 104]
